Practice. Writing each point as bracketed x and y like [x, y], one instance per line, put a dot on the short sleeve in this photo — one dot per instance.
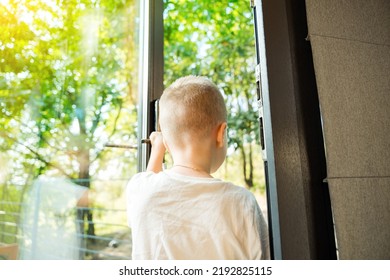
[262, 230]
[258, 240]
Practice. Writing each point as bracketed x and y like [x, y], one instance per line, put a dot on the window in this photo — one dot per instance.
[68, 95]
[76, 82]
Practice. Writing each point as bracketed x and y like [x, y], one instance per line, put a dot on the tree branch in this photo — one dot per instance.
[98, 153]
[38, 156]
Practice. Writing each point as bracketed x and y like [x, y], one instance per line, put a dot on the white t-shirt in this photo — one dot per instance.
[180, 217]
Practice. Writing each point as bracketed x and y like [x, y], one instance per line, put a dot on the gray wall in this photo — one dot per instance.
[299, 210]
[351, 52]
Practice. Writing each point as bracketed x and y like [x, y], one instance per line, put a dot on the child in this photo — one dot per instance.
[183, 212]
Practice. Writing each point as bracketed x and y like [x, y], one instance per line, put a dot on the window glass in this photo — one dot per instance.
[68, 95]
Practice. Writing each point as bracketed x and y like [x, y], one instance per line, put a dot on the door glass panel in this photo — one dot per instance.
[68, 96]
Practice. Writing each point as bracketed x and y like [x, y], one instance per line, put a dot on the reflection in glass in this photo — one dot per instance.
[48, 225]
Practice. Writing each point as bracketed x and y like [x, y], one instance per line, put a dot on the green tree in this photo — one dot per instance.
[216, 39]
[66, 70]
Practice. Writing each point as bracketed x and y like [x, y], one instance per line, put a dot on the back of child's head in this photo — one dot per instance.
[191, 106]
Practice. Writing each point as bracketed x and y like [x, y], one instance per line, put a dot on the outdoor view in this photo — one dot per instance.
[69, 90]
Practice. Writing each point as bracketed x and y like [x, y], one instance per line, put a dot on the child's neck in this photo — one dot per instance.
[192, 161]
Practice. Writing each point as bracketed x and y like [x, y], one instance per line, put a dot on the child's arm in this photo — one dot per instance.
[157, 153]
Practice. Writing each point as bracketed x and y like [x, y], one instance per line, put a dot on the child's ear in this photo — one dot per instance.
[221, 134]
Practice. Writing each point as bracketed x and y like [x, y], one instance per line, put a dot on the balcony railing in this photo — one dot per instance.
[39, 228]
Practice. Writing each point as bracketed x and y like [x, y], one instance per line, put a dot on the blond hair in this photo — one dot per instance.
[191, 105]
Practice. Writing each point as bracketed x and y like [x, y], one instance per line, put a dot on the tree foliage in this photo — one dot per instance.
[216, 39]
[68, 71]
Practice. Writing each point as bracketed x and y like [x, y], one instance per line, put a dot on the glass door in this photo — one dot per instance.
[69, 93]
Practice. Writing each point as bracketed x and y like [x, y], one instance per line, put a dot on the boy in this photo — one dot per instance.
[183, 212]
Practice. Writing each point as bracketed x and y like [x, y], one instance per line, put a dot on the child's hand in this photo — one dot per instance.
[156, 139]
[157, 155]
